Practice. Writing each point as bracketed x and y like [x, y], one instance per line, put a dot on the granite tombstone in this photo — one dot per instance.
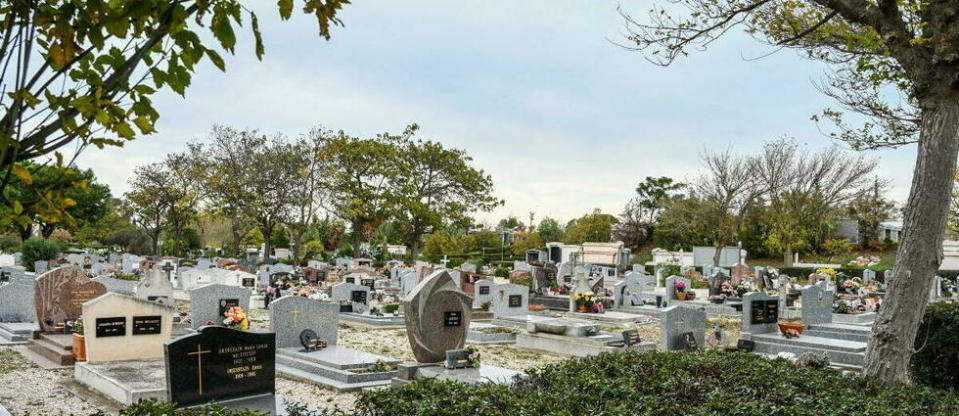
[291, 315]
[437, 317]
[208, 303]
[218, 364]
[60, 295]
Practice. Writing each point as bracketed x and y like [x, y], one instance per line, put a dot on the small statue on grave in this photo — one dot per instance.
[465, 358]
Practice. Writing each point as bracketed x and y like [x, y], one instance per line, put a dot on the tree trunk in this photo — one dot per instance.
[718, 255]
[267, 235]
[25, 232]
[788, 257]
[357, 227]
[235, 230]
[920, 248]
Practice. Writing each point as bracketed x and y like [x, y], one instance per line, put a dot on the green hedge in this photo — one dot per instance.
[154, 408]
[936, 362]
[664, 383]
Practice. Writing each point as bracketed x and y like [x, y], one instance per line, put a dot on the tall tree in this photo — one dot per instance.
[870, 208]
[226, 158]
[653, 193]
[728, 185]
[550, 230]
[877, 46]
[359, 181]
[595, 227]
[306, 196]
[433, 184]
[144, 206]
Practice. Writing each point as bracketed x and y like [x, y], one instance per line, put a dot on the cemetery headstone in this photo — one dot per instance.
[16, 301]
[680, 322]
[482, 292]
[868, 275]
[120, 327]
[41, 266]
[760, 313]
[816, 305]
[218, 364]
[208, 303]
[509, 299]
[291, 315]
[351, 293]
[155, 287]
[123, 287]
[60, 295]
[437, 317]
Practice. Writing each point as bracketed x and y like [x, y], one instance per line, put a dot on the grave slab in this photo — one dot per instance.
[124, 382]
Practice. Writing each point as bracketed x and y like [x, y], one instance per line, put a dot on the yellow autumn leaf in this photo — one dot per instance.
[23, 174]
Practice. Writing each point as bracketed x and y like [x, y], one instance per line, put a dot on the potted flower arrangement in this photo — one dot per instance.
[79, 341]
[791, 327]
[585, 301]
[598, 307]
[236, 318]
[742, 288]
[680, 288]
[473, 356]
[485, 306]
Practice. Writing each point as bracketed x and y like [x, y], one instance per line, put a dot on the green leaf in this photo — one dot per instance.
[216, 59]
[286, 8]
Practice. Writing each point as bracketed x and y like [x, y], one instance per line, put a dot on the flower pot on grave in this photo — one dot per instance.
[791, 328]
[680, 295]
[79, 347]
[583, 309]
[690, 296]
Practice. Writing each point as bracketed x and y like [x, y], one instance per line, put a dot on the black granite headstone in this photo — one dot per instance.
[218, 363]
[358, 296]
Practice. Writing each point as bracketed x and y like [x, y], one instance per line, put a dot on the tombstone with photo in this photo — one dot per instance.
[209, 303]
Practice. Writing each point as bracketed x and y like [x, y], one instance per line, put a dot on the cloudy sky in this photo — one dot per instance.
[564, 120]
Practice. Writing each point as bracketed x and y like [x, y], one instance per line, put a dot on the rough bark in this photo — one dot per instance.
[920, 247]
[788, 257]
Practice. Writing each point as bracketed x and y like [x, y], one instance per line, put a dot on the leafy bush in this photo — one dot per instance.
[38, 248]
[663, 383]
[501, 272]
[525, 280]
[936, 362]
[391, 307]
[9, 243]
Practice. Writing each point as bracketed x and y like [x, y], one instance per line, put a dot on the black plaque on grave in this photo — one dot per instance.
[147, 325]
[515, 301]
[452, 318]
[249, 282]
[370, 283]
[358, 296]
[765, 312]
[745, 345]
[111, 327]
[484, 290]
[218, 364]
[350, 280]
[226, 304]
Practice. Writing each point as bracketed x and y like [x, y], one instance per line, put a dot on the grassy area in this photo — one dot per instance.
[11, 361]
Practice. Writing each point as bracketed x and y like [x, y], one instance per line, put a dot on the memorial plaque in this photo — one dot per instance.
[111, 327]
[226, 304]
[249, 282]
[484, 290]
[452, 318]
[746, 345]
[368, 283]
[358, 296]
[147, 325]
[350, 280]
[765, 312]
[515, 301]
[218, 364]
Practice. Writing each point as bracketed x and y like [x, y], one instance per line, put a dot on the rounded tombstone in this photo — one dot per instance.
[438, 316]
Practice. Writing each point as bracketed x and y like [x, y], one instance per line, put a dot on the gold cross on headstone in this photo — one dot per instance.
[296, 314]
[199, 366]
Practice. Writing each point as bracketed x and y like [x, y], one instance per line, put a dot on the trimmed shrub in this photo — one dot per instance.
[936, 362]
[501, 272]
[664, 383]
[38, 248]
